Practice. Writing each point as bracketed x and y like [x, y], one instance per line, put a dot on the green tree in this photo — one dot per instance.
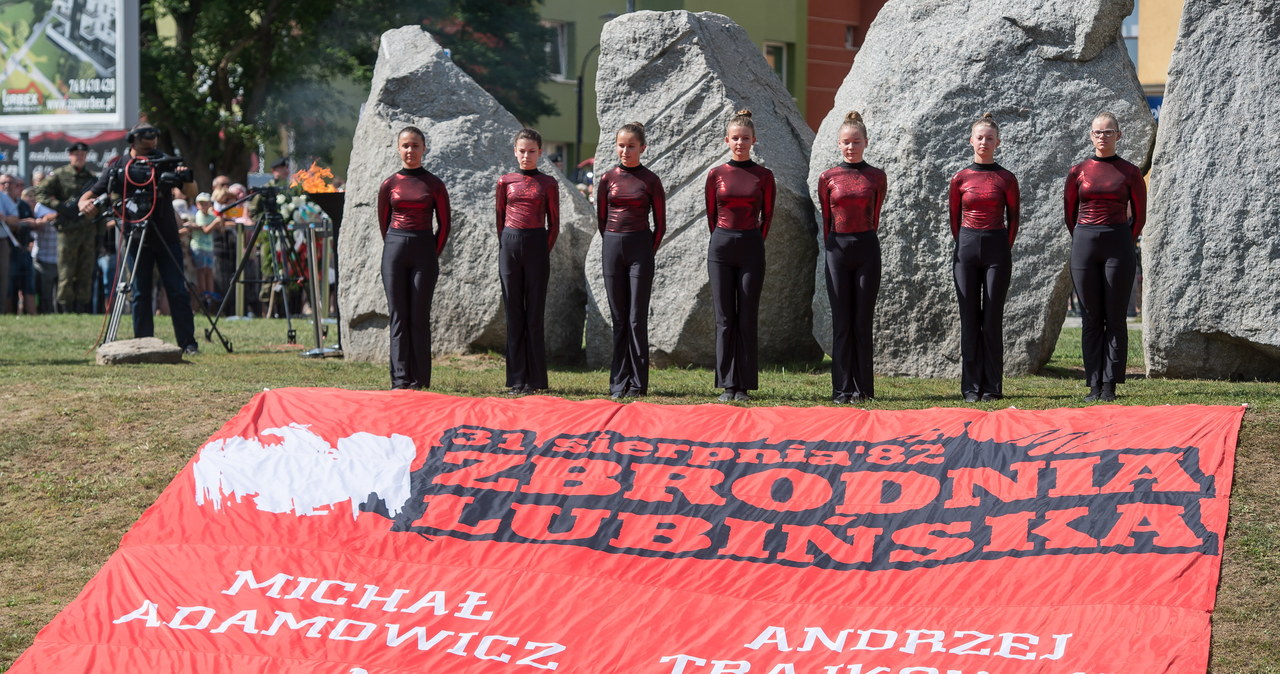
[39, 8]
[234, 71]
[501, 45]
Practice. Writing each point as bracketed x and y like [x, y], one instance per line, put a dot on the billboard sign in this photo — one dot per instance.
[68, 64]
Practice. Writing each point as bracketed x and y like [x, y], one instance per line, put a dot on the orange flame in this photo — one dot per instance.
[314, 179]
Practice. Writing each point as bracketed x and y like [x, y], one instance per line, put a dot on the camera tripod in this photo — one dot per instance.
[135, 234]
[134, 239]
[287, 269]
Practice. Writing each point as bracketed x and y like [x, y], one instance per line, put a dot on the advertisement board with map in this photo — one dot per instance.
[68, 64]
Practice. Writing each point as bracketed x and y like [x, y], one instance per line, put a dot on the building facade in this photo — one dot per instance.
[810, 44]
[1157, 31]
[836, 29]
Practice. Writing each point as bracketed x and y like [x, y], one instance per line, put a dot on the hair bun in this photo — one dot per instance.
[987, 115]
[639, 124]
[741, 118]
[853, 116]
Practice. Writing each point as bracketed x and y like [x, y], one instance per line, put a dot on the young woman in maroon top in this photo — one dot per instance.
[625, 195]
[850, 196]
[739, 198]
[985, 212]
[410, 254]
[1106, 207]
[528, 210]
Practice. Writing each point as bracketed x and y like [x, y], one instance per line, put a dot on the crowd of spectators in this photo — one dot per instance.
[48, 251]
[26, 223]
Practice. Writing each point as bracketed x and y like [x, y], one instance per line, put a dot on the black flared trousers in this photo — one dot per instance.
[524, 264]
[628, 281]
[735, 264]
[982, 269]
[409, 273]
[853, 282]
[1103, 264]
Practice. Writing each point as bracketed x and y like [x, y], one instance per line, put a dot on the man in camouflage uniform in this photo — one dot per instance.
[77, 234]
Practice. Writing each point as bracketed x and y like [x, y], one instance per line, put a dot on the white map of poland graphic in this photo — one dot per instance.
[304, 474]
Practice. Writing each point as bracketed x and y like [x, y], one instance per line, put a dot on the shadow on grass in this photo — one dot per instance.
[584, 392]
[47, 361]
[926, 397]
[1065, 396]
[1059, 372]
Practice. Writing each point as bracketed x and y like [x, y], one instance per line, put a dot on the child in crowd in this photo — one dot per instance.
[202, 225]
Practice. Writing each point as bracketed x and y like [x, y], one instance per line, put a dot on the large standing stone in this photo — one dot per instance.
[468, 147]
[925, 72]
[684, 75]
[1211, 255]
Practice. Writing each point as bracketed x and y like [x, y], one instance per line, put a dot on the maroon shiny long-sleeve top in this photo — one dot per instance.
[527, 199]
[850, 196]
[1102, 190]
[985, 197]
[407, 199]
[624, 197]
[740, 196]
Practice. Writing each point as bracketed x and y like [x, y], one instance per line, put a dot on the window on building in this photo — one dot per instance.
[557, 48]
[851, 37]
[1129, 30]
[776, 54]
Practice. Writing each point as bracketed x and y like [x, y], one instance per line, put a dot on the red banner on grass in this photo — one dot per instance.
[326, 531]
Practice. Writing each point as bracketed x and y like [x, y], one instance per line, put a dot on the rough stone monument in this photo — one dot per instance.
[469, 147]
[683, 75]
[1210, 252]
[928, 69]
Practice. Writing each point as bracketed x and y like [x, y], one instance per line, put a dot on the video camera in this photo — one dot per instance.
[263, 198]
[158, 169]
[141, 178]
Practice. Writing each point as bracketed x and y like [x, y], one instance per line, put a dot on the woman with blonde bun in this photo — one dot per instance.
[850, 195]
[739, 196]
[985, 207]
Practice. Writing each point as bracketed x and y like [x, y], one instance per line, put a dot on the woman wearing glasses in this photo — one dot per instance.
[1106, 207]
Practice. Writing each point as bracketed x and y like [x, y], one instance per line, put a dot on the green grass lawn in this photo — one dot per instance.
[85, 449]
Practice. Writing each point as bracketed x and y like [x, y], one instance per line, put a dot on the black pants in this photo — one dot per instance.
[735, 263]
[47, 285]
[981, 269]
[409, 273]
[628, 281]
[157, 254]
[524, 264]
[853, 281]
[1103, 263]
